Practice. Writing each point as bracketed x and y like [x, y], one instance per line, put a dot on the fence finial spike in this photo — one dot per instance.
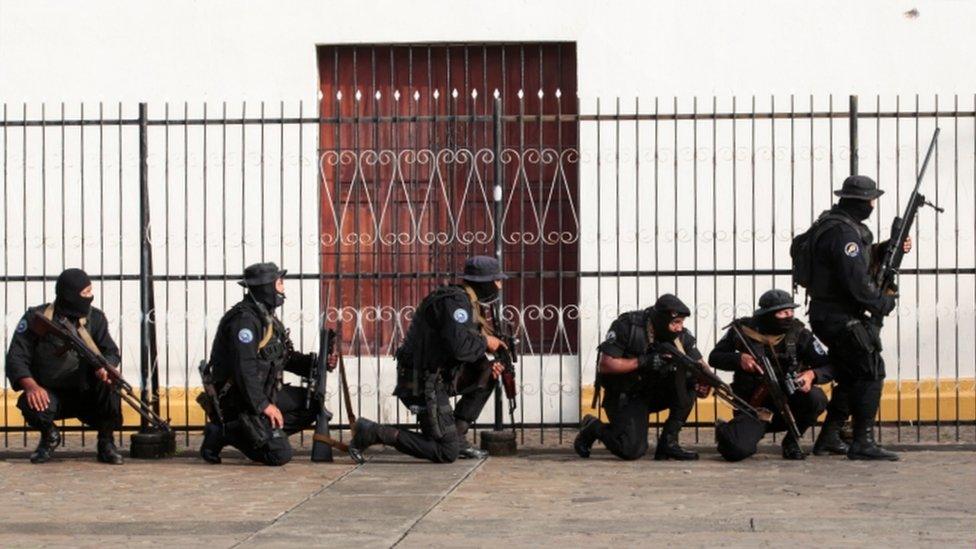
[520, 94]
[437, 93]
[454, 93]
[359, 95]
[378, 94]
[540, 94]
[559, 93]
[497, 94]
[474, 94]
[339, 95]
[396, 95]
[416, 96]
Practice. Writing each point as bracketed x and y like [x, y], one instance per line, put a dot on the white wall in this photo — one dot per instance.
[215, 52]
[186, 50]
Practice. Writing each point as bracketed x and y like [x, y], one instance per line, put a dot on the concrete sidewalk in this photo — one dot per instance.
[541, 498]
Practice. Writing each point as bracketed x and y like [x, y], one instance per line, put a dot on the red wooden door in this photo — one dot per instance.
[407, 178]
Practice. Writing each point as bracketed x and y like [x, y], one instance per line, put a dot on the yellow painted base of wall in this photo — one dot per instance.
[171, 404]
[925, 400]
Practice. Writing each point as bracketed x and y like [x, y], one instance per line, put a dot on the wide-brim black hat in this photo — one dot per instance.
[860, 187]
[775, 300]
[482, 268]
[260, 274]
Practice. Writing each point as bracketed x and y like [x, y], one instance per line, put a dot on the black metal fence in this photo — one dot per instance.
[370, 201]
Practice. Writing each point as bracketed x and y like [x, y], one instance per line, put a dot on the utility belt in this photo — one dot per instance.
[820, 309]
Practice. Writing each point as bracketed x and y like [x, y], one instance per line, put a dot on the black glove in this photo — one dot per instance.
[652, 363]
[888, 304]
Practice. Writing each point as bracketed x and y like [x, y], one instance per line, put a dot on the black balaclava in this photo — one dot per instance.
[487, 292]
[267, 295]
[68, 300]
[667, 308]
[769, 324]
[857, 208]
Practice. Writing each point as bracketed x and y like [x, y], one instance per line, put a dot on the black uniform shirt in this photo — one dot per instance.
[236, 356]
[445, 332]
[26, 356]
[810, 355]
[841, 278]
[627, 338]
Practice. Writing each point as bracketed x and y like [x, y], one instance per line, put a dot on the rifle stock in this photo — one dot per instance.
[508, 357]
[721, 389]
[322, 442]
[771, 383]
[43, 326]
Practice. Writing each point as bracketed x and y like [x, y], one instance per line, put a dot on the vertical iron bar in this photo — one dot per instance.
[937, 276]
[186, 264]
[147, 347]
[496, 120]
[852, 122]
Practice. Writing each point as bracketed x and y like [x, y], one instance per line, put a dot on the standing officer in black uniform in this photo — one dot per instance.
[842, 295]
[637, 380]
[56, 383]
[443, 355]
[251, 350]
[785, 341]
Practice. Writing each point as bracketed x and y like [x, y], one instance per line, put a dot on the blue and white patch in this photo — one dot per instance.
[819, 348]
[852, 249]
[245, 335]
[460, 315]
[22, 326]
[611, 335]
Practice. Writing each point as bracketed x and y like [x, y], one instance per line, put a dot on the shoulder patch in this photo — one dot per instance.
[460, 315]
[22, 326]
[852, 249]
[818, 347]
[245, 335]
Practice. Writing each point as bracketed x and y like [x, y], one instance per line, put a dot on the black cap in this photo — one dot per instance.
[260, 274]
[671, 305]
[860, 187]
[482, 268]
[71, 282]
[774, 300]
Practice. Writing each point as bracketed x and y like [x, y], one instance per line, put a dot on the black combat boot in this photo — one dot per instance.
[213, 443]
[107, 452]
[50, 439]
[366, 433]
[829, 440]
[668, 448]
[466, 450]
[589, 432]
[864, 447]
[791, 449]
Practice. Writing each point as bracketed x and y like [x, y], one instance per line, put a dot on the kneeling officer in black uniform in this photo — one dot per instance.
[56, 384]
[637, 380]
[777, 334]
[443, 355]
[251, 350]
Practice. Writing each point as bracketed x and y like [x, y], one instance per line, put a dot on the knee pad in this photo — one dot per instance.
[739, 438]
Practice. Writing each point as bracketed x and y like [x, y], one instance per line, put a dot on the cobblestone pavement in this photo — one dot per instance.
[542, 497]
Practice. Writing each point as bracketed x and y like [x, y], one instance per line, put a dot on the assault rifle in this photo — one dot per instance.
[66, 333]
[704, 374]
[900, 228]
[508, 357]
[771, 385]
[322, 441]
